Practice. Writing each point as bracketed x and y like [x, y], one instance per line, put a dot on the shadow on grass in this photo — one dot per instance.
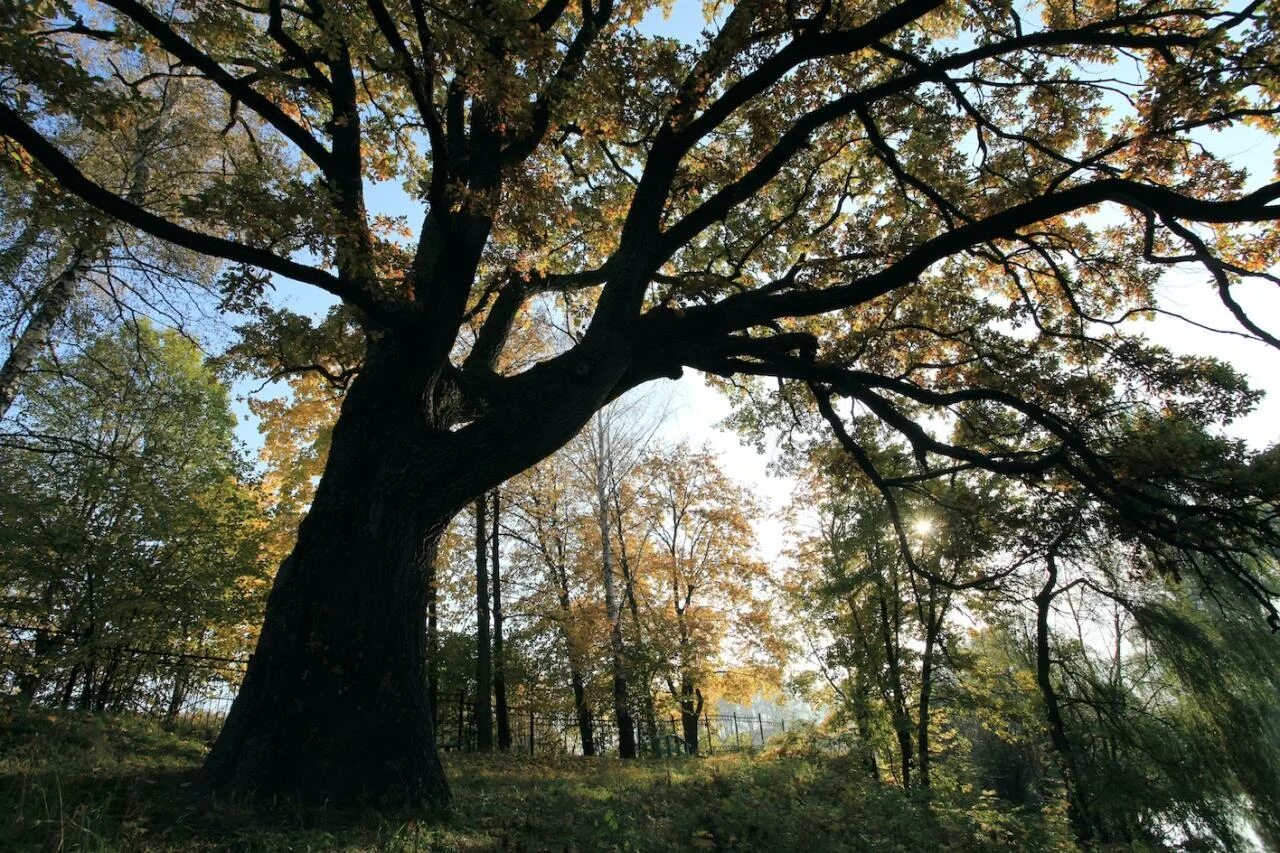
[88, 782]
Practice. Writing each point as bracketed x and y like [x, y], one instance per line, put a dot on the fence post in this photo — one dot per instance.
[530, 731]
[737, 744]
[760, 720]
[706, 720]
[461, 706]
[784, 725]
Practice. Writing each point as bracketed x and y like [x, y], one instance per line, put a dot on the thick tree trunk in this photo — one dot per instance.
[334, 706]
[483, 713]
[433, 646]
[499, 661]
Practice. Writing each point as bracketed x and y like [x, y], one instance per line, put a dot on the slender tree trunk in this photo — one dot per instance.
[926, 689]
[178, 695]
[901, 719]
[1077, 797]
[576, 682]
[52, 304]
[14, 255]
[499, 660]
[645, 672]
[484, 655]
[621, 704]
[586, 732]
[69, 687]
[107, 683]
[45, 643]
[334, 705]
[690, 713]
[621, 700]
[650, 718]
[91, 643]
[863, 722]
[58, 294]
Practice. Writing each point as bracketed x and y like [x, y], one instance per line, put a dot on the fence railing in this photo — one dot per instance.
[537, 731]
[193, 690]
[53, 668]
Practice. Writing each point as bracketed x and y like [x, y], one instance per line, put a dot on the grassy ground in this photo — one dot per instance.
[79, 782]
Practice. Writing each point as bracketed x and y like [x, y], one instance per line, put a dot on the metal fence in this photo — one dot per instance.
[193, 691]
[540, 731]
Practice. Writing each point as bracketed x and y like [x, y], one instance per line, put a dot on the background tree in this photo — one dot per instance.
[606, 454]
[703, 578]
[548, 534]
[134, 530]
[889, 204]
[71, 270]
[1076, 687]
[296, 430]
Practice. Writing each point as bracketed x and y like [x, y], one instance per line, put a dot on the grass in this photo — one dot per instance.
[89, 782]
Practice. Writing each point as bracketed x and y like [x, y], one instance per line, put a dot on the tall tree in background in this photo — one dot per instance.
[134, 528]
[542, 511]
[483, 710]
[1093, 676]
[889, 203]
[606, 454]
[500, 710]
[703, 570]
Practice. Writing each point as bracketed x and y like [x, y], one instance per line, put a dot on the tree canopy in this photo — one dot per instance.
[942, 212]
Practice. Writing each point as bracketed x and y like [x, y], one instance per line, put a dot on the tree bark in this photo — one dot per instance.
[178, 694]
[585, 730]
[576, 682]
[483, 713]
[863, 723]
[613, 610]
[334, 706]
[690, 712]
[433, 645]
[1077, 798]
[52, 304]
[901, 719]
[645, 679]
[30, 682]
[932, 627]
[499, 661]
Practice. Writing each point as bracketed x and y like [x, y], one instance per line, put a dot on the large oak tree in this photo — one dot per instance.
[924, 206]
